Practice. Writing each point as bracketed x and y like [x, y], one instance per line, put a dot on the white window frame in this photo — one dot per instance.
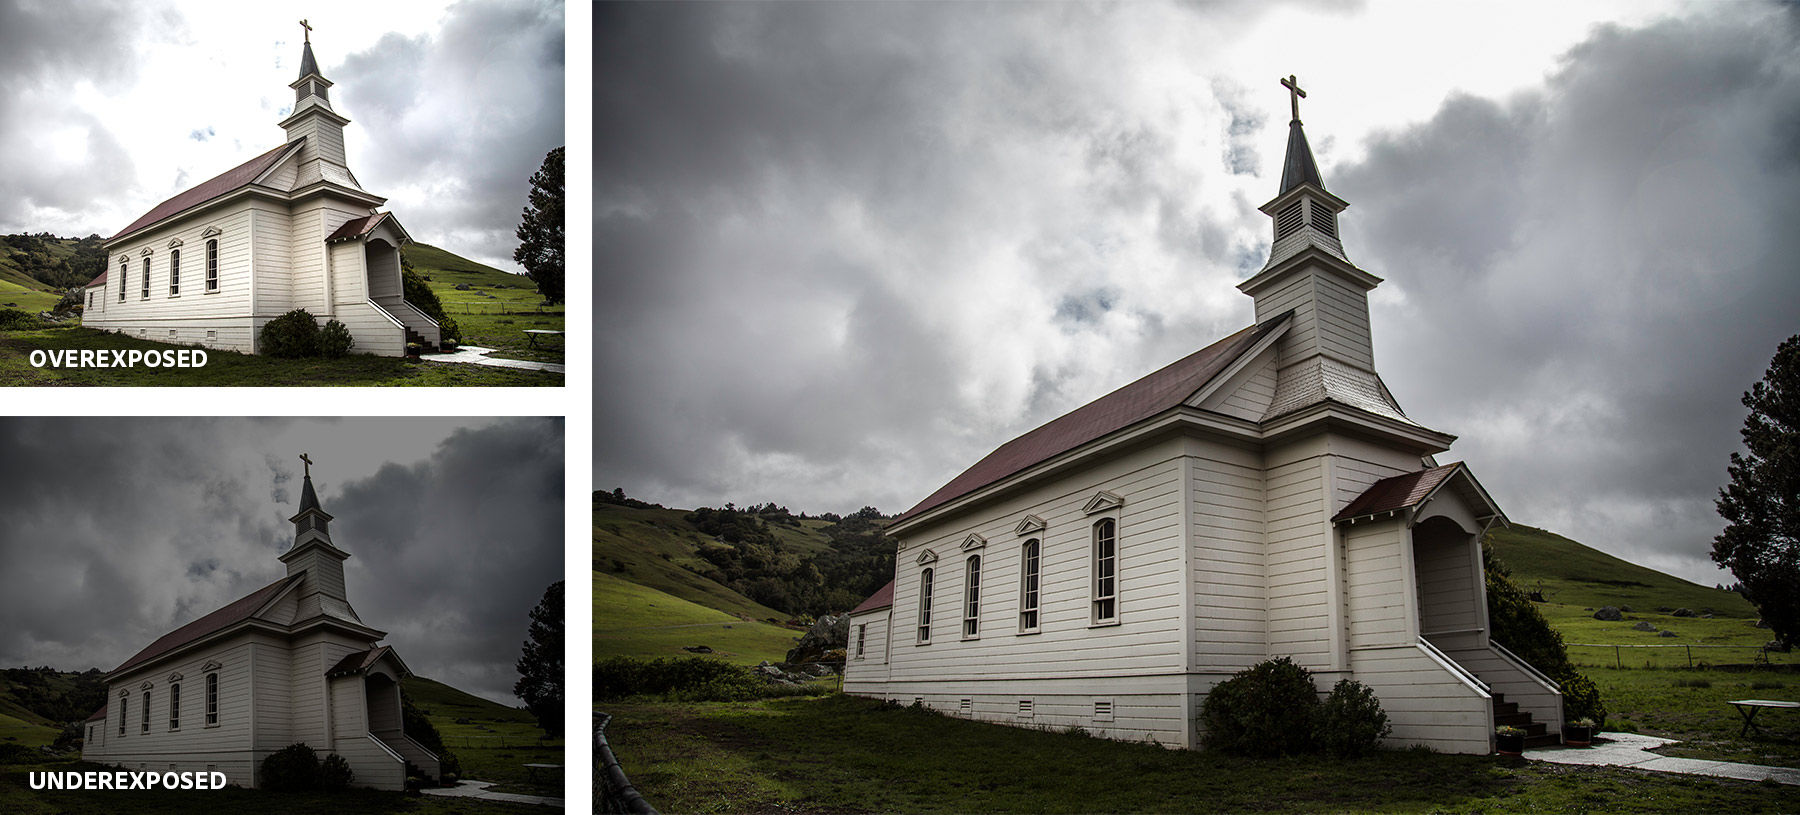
[124, 712]
[862, 635]
[1031, 585]
[925, 587]
[144, 717]
[124, 274]
[212, 699]
[1103, 581]
[174, 707]
[971, 624]
[145, 283]
[174, 272]
[212, 266]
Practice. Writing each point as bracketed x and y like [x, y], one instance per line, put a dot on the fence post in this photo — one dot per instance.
[1690, 652]
[1618, 662]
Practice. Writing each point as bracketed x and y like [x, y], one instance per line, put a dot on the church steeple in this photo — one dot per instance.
[314, 557]
[322, 156]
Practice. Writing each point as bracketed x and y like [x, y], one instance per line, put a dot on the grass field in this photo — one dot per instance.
[842, 754]
[225, 368]
[14, 730]
[497, 307]
[493, 742]
[650, 547]
[1574, 575]
[637, 621]
[33, 300]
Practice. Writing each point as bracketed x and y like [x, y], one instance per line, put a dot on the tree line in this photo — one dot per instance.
[69, 268]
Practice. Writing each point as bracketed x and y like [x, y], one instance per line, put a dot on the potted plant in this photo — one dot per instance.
[413, 349]
[1579, 733]
[1509, 741]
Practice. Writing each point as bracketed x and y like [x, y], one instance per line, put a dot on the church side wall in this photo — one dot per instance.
[1070, 671]
[192, 316]
[274, 261]
[1299, 537]
[867, 674]
[1225, 497]
[193, 746]
[273, 706]
[1343, 321]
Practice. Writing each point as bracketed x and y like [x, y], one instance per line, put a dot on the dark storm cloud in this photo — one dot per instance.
[119, 530]
[457, 121]
[1611, 255]
[45, 50]
[823, 232]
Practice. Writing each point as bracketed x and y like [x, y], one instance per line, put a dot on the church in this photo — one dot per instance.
[288, 663]
[1262, 497]
[289, 229]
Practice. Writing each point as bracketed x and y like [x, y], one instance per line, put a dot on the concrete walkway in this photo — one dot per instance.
[477, 355]
[478, 789]
[1633, 750]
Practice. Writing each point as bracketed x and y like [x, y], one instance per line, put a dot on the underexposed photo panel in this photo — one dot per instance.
[339, 610]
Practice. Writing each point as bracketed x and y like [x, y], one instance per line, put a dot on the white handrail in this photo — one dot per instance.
[1454, 666]
[1525, 666]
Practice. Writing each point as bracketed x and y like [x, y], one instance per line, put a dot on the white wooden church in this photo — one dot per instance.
[291, 228]
[288, 663]
[1265, 496]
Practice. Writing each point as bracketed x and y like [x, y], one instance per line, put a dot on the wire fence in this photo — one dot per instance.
[500, 308]
[1604, 655]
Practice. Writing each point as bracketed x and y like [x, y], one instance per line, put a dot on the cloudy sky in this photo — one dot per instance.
[843, 251]
[113, 106]
[123, 529]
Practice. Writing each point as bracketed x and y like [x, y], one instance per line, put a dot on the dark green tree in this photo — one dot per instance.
[1761, 505]
[541, 229]
[540, 682]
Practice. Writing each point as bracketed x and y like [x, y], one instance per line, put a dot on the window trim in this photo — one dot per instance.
[1031, 585]
[144, 717]
[124, 275]
[862, 636]
[174, 707]
[145, 283]
[212, 699]
[923, 633]
[212, 266]
[1109, 583]
[124, 712]
[971, 623]
[174, 272]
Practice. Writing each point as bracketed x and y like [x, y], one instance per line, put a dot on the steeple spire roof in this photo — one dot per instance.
[308, 65]
[1299, 167]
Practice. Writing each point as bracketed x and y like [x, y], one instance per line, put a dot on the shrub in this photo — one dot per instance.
[335, 773]
[1265, 710]
[14, 319]
[292, 335]
[687, 679]
[335, 340]
[419, 728]
[294, 768]
[1351, 721]
[1581, 698]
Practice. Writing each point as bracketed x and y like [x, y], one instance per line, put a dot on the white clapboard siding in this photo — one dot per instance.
[1249, 393]
[1299, 534]
[1229, 567]
[274, 714]
[275, 251]
[1515, 681]
[375, 331]
[1343, 319]
[193, 744]
[1426, 702]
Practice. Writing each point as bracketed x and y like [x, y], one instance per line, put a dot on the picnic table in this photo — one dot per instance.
[1748, 708]
[535, 767]
[532, 334]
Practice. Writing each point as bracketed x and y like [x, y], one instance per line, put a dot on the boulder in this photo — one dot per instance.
[1666, 633]
[1609, 613]
[827, 634]
[1643, 626]
[1663, 609]
[463, 287]
[1683, 612]
[1626, 609]
[697, 649]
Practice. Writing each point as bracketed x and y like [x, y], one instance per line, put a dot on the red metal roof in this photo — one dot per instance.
[1140, 400]
[355, 663]
[882, 598]
[356, 227]
[98, 714]
[236, 612]
[1397, 492]
[228, 181]
[99, 280]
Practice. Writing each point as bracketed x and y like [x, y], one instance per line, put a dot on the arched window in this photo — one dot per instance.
[124, 270]
[972, 597]
[146, 281]
[925, 606]
[175, 707]
[212, 699]
[1106, 571]
[862, 635]
[1029, 570]
[212, 265]
[124, 708]
[145, 716]
[174, 272]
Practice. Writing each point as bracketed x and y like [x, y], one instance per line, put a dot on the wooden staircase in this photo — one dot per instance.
[1536, 733]
[414, 336]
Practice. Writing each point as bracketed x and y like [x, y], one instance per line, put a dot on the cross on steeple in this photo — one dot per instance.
[308, 34]
[308, 464]
[1295, 94]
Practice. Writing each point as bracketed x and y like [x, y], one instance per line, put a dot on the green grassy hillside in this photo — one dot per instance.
[632, 620]
[494, 742]
[651, 547]
[1572, 574]
[495, 309]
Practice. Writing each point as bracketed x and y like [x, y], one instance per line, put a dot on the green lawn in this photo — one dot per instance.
[17, 798]
[18, 731]
[13, 295]
[228, 368]
[638, 621]
[1691, 706]
[842, 754]
[493, 742]
[496, 308]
